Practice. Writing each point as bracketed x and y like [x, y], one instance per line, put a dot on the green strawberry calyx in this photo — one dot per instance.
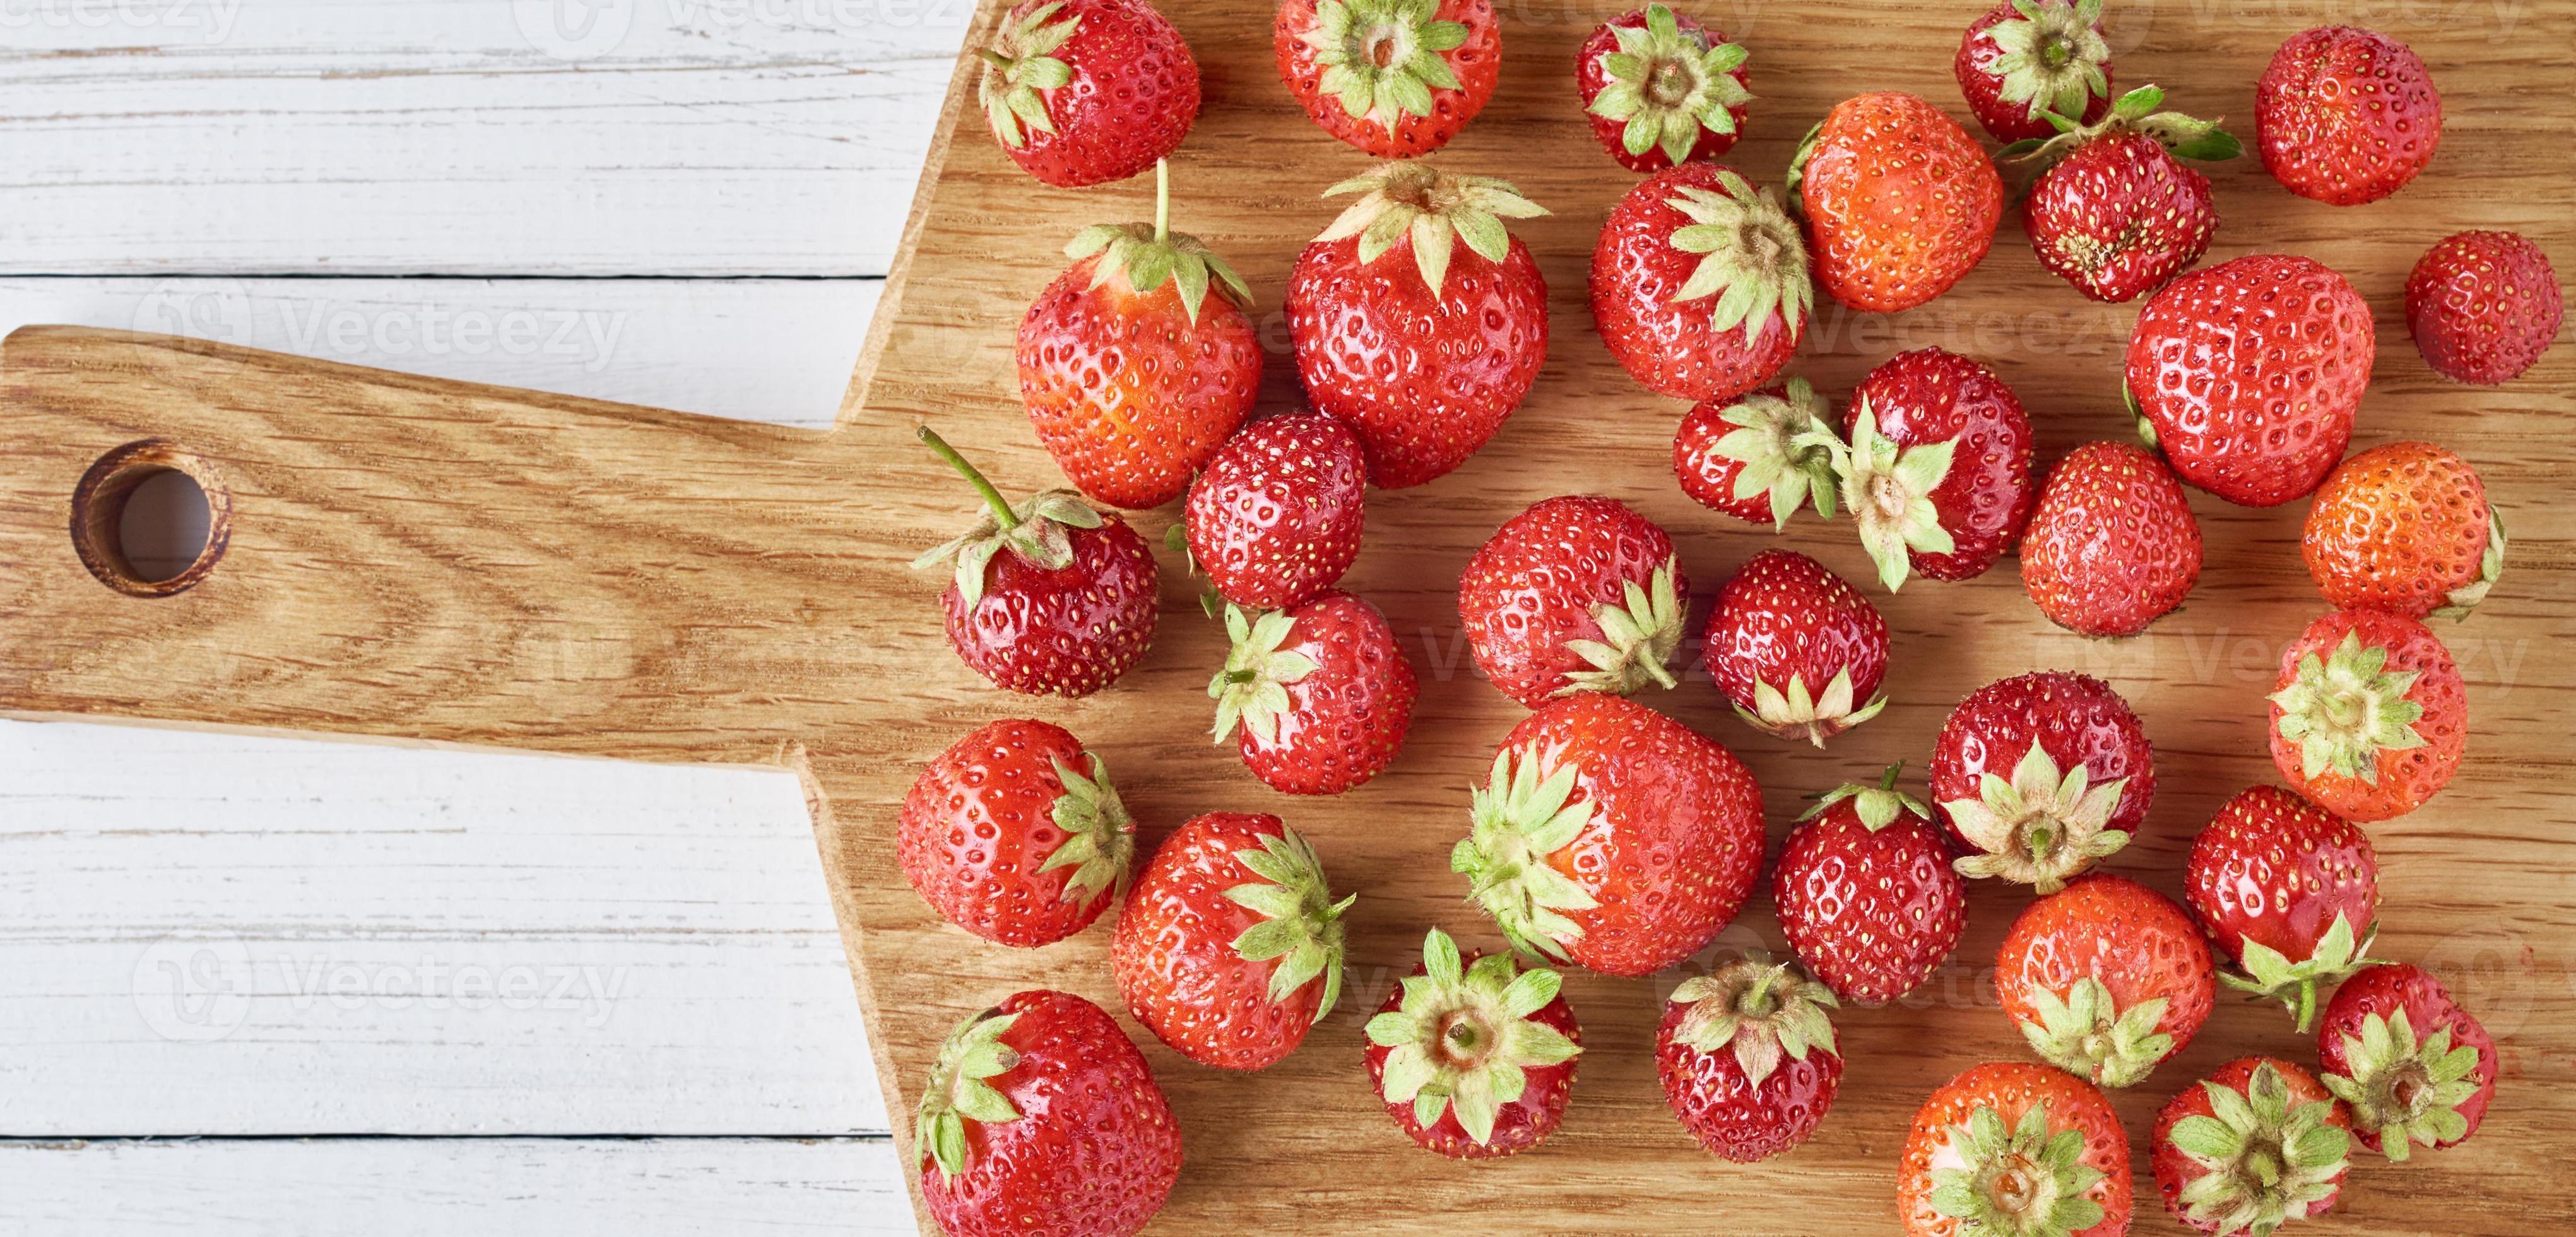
[2344, 709]
[1889, 491]
[1253, 687]
[2052, 56]
[2402, 1091]
[1667, 86]
[1035, 530]
[1464, 1037]
[2263, 1160]
[1432, 209]
[1770, 444]
[1761, 1012]
[1019, 65]
[2087, 1034]
[2465, 598]
[1750, 257]
[1146, 256]
[1877, 806]
[2271, 975]
[1301, 924]
[2185, 136]
[2016, 1182]
[1800, 714]
[2041, 827]
[1639, 635]
[1523, 814]
[1382, 58]
[1099, 835]
[958, 1091]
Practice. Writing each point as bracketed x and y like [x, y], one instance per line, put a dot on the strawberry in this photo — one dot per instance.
[1474, 1057]
[2105, 978]
[1080, 92]
[1230, 945]
[2256, 1144]
[1661, 90]
[1747, 1058]
[1699, 284]
[2027, 58]
[1322, 693]
[1575, 594]
[1866, 894]
[2014, 1148]
[2040, 776]
[2112, 545]
[2289, 892]
[1015, 834]
[1418, 321]
[2409, 1064]
[1050, 598]
[1758, 456]
[1900, 202]
[1275, 516]
[2113, 211]
[1395, 78]
[1131, 376]
[2482, 306]
[1937, 472]
[2346, 115]
[2368, 715]
[1798, 652]
[2404, 528]
[1611, 836]
[1041, 1116]
[2247, 374]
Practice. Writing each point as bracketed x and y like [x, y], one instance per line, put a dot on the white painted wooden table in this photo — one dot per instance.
[255, 985]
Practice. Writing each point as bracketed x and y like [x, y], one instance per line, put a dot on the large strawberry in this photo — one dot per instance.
[1417, 319]
[2409, 1064]
[1230, 945]
[1275, 517]
[1575, 594]
[2369, 715]
[1937, 471]
[2259, 1143]
[1866, 893]
[1320, 691]
[2041, 775]
[1084, 91]
[1041, 1116]
[1798, 652]
[1661, 90]
[1699, 283]
[2027, 58]
[1747, 1058]
[2113, 211]
[1758, 456]
[2014, 1148]
[2404, 528]
[2346, 115]
[2482, 306]
[1611, 836]
[2105, 978]
[1015, 834]
[1050, 598]
[2289, 892]
[1474, 1057]
[1395, 78]
[2112, 545]
[1900, 202]
[2247, 374]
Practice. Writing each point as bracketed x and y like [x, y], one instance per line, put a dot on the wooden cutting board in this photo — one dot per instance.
[419, 560]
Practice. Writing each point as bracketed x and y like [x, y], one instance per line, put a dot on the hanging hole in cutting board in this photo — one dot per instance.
[150, 520]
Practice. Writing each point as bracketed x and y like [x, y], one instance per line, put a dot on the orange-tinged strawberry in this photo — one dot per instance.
[2009, 1147]
[2404, 528]
[1900, 202]
[2369, 715]
[2256, 1144]
[2106, 978]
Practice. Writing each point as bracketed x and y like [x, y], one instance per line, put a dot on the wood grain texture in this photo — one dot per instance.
[416, 560]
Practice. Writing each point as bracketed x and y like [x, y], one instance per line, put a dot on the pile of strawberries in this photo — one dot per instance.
[1609, 836]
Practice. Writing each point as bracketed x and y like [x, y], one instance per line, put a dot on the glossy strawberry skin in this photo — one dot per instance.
[1346, 720]
[1590, 77]
[1536, 582]
[2482, 306]
[1174, 957]
[2112, 545]
[1067, 632]
[1984, 88]
[1900, 202]
[2076, 719]
[2275, 869]
[2011, 1088]
[2119, 217]
[1733, 1117]
[2345, 115]
[978, 825]
[1929, 395]
[1670, 347]
[2397, 528]
[2176, 1170]
[1478, 64]
[1518, 1126]
[1096, 1149]
[1275, 517]
[2134, 940]
[1784, 616]
[2407, 776]
[2429, 1007]
[1133, 97]
[1871, 913]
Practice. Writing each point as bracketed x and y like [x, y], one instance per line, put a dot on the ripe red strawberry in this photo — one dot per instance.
[1747, 1058]
[2289, 892]
[2035, 56]
[2369, 715]
[1900, 202]
[1575, 594]
[1418, 320]
[1612, 836]
[2113, 211]
[1040, 1116]
[2040, 776]
[1050, 598]
[2009, 1147]
[1661, 89]
[1474, 1058]
[1080, 92]
[2256, 1144]
[1699, 284]
[1866, 893]
[1798, 652]
[1395, 78]
[2346, 115]
[1275, 516]
[2105, 978]
[2112, 545]
[2482, 306]
[2410, 1065]
[1015, 834]
[1230, 945]
[1323, 695]
[2404, 528]
[1759, 455]
[2247, 374]
[1937, 472]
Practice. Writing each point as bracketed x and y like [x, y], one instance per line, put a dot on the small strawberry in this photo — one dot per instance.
[1747, 1058]
[1395, 78]
[2409, 1064]
[1005, 836]
[2482, 306]
[1418, 320]
[1575, 594]
[1756, 457]
[1699, 284]
[2105, 978]
[1474, 1057]
[2247, 374]
[1900, 202]
[1866, 894]
[1050, 598]
[2289, 892]
[2012, 1148]
[2346, 115]
[2113, 211]
[1080, 92]
[1661, 90]
[1041, 1116]
[1937, 472]
[2369, 715]
[1798, 652]
[1322, 694]
[1612, 836]
[1230, 945]
[2404, 528]
[2112, 545]
[1275, 516]
[2256, 1144]
[2040, 776]
[2027, 58]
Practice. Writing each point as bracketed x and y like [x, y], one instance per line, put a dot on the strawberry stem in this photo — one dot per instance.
[996, 59]
[992, 497]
